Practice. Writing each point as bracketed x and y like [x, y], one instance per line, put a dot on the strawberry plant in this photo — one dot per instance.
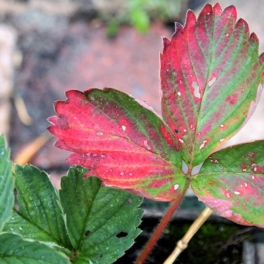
[211, 78]
[82, 223]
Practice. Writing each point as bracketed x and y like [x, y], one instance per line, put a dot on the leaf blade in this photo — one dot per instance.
[14, 249]
[102, 213]
[210, 55]
[18, 224]
[121, 142]
[6, 184]
[39, 206]
[231, 182]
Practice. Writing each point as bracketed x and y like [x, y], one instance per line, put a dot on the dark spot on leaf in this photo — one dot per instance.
[129, 201]
[100, 256]
[74, 252]
[121, 234]
[87, 233]
[176, 131]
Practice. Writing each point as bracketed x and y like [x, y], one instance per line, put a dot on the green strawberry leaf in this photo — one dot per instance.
[211, 77]
[20, 225]
[6, 184]
[39, 216]
[231, 182]
[15, 250]
[101, 222]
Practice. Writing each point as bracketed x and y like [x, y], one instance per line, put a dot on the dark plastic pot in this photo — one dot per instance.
[217, 241]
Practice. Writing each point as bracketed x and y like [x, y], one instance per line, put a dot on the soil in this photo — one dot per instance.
[214, 243]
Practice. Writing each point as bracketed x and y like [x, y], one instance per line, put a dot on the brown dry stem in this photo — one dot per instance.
[183, 243]
[27, 153]
[22, 111]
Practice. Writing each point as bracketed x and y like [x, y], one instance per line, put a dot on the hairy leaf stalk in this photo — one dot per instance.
[159, 230]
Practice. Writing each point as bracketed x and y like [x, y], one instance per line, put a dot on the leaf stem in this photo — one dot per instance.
[183, 243]
[159, 230]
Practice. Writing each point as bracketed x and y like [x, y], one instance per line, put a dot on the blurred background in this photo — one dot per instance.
[50, 46]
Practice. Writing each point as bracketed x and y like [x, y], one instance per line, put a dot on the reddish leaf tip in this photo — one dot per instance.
[73, 93]
[59, 121]
[242, 25]
[55, 106]
[230, 11]
[253, 38]
[166, 43]
[207, 10]
[190, 19]
[178, 28]
[217, 9]
[58, 105]
[52, 120]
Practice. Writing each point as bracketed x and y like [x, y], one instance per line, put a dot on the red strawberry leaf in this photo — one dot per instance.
[231, 182]
[210, 79]
[124, 144]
